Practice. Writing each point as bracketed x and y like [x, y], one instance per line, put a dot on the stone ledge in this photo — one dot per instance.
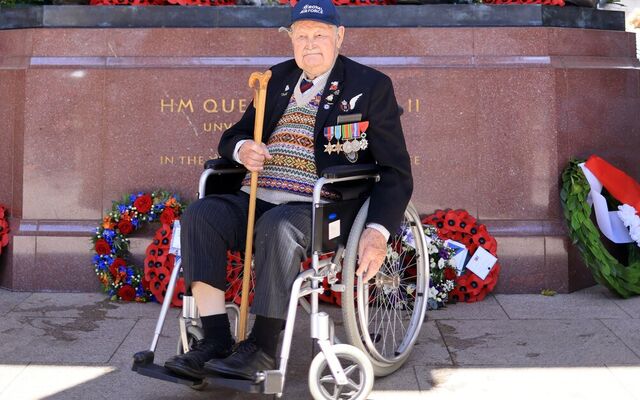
[433, 15]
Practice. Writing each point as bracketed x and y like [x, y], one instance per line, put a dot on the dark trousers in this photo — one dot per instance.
[282, 239]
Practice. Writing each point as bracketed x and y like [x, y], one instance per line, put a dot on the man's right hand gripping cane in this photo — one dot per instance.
[252, 155]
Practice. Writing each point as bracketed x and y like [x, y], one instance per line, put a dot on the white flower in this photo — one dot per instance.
[632, 221]
[433, 292]
[440, 263]
[432, 249]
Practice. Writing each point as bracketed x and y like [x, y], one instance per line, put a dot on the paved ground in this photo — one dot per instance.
[585, 345]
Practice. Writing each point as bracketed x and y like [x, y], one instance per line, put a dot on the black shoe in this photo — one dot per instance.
[191, 364]
[243, 363]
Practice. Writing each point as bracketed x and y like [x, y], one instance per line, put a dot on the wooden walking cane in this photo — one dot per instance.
[258, 81]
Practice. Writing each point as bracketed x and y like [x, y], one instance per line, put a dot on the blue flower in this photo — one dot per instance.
[122, 208]
[132, 198]
[134, 222]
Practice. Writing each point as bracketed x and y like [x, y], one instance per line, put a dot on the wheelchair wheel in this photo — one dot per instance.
[383, 317]
[357, 368]
[194, 333]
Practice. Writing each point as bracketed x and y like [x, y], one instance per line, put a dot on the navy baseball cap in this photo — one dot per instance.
[315, 10]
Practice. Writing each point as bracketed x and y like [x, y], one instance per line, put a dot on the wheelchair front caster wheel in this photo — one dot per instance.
[357, 368]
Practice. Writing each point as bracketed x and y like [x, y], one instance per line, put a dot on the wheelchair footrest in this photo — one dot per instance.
[143, 365]
[158, 372]
[241, 385]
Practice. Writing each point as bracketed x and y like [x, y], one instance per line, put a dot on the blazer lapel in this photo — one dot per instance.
[336, 75]
[282, 99]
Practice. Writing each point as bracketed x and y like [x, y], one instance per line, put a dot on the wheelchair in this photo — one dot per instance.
[382, 317]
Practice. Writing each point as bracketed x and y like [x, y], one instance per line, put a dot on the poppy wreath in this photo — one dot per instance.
[4, 228]
[120, 279]
[607, 270]
[462, 227]
[159, 263]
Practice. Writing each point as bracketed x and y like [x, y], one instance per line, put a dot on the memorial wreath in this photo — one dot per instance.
[4, 228]
[120, 278]
[606, 269]
[460, 226]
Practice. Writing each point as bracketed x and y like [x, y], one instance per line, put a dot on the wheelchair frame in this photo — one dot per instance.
[308, 282]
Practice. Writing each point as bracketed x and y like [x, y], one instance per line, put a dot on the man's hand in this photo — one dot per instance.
[372, 250]
[252, 155]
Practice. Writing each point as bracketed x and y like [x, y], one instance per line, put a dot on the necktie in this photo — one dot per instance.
[305, 85]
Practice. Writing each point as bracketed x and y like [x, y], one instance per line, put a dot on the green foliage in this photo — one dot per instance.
[621, 279]
[548, 292]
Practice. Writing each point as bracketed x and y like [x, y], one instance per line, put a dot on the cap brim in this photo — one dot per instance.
[314, 19]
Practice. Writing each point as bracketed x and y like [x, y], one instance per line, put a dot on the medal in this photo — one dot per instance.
[328, 148]
[338, 148]
[346, 147]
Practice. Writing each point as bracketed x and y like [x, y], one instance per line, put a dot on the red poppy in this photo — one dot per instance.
[143, 203]
[102, 247]
[168, 216]
[452, 220]
[127, 293]
[125, 227]
[178, 293]
[2, 210]
[115, 266]
[449, 274]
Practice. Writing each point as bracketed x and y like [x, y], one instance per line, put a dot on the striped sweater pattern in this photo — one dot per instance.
[292, 167]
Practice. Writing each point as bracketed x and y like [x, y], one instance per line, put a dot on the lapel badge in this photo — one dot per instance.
[334, 86]
[352, 102]
[344, 106]
[286, 91]
[330, 98]
[327, 106]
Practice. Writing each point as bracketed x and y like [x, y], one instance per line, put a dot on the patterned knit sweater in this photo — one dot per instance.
[292, 168]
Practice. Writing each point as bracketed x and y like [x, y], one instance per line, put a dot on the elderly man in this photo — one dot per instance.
[310, 101]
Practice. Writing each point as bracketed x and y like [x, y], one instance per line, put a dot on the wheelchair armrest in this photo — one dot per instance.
[224, 166]
[344, 171]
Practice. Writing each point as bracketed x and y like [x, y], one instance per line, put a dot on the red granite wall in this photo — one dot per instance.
[492, 115]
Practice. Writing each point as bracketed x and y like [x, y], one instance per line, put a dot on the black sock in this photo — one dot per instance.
[217, 329]
[266, 331]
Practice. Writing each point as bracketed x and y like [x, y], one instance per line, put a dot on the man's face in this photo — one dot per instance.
[315, 46]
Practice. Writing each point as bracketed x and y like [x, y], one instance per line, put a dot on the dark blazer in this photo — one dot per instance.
[378, 105]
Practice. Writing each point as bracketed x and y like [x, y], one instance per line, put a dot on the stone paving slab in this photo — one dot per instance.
[596, 302]
[430, 348]
[534, 343]
[628, 331]
[49, 381]
[628, 378]
[8, 373]
[87, 305]
[60, 340]
[489, 308]
[508, 383]
[631, 306]
[9, 300]
[140, 336]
